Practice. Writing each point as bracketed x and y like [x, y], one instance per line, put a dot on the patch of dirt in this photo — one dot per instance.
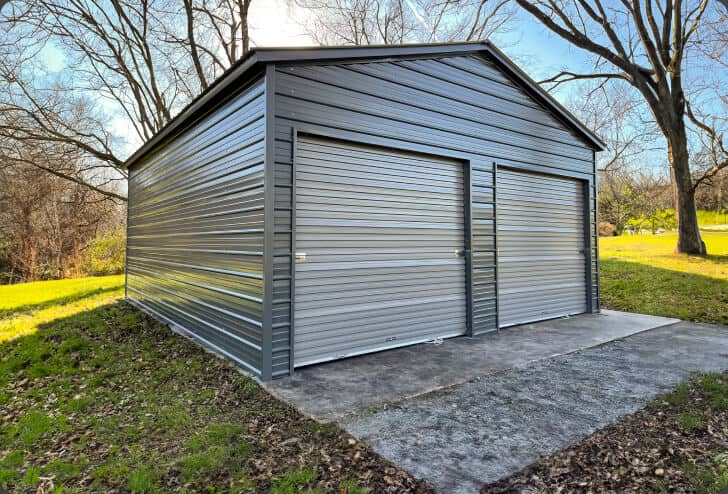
[679, 443]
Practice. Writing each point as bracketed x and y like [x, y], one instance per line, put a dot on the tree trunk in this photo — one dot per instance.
[688, 240]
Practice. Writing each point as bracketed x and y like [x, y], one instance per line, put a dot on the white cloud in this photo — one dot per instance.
[277, 23]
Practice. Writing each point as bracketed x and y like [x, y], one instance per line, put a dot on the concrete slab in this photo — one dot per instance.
[464, 436]
[335, 390]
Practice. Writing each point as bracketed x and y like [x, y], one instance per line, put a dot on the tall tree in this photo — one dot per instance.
[46, 222]
[125, 65]
[645, 43]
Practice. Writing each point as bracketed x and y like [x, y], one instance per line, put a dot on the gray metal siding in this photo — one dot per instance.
[483, 249]
[461, 106]
[540, 237]
[195, 233]
[380, 230]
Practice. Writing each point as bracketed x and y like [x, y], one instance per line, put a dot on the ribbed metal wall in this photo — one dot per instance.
[195, 233]
[483, 287]
[541, 257]
[462, 105]
[383, 237]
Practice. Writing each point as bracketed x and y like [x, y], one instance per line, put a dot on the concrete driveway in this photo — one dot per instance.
[468, 412]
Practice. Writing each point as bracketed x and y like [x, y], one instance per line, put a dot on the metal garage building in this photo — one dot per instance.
[319, 203]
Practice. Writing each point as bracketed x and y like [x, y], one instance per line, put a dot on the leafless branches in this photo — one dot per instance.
[645, 43]
[363, 22]
[46, 221]
[128, 63]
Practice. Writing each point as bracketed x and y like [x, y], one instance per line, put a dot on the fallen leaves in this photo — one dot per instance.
[134, 394]
[648, 451]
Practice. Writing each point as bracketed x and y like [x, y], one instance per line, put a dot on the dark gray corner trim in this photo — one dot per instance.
[126, 246]
[266, 371]
[292, 320]
[229, 80]
[596, 235]
[586, 194]
[495, 237]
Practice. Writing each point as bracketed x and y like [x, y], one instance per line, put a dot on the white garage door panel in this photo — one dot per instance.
[380, 230]
[541, 262]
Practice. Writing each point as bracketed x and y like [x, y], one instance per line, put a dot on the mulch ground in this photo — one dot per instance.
[679, 443]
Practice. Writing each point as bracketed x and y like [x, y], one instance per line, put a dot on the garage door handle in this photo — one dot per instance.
[460, 253]
[300, 256]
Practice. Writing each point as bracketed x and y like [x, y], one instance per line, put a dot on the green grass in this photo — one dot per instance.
[24, 307]
[293, 481]
[642, 273]
[712, 218]
[701, 400]
[691, 420]
[99, 397]
[26, 297]
[693, 405]
[708, 402]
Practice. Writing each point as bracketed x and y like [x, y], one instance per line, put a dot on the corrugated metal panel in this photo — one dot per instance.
[195, 247]
[456, 94]
[541, 259]
[483, 248]
[380, 230]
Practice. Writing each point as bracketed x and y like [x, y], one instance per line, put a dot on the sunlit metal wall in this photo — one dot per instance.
[195, 238]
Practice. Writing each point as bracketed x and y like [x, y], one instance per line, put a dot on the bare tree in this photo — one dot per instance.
[135, 61]
[617, 115]
[364, 22]
[644, 43]
[47, 221]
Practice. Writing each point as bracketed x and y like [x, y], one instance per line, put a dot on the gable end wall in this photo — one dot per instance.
[457, 106]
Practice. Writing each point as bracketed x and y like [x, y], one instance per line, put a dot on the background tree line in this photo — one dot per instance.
[657, 95]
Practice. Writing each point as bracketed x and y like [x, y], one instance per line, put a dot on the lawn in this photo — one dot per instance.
[97, 397]
[641, 273]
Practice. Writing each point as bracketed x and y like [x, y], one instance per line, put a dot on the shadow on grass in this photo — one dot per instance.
[636, 287]
[110, 372]
[109, 400]
[63, 300]
[59, 346]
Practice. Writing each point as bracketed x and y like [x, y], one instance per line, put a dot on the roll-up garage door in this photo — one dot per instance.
[379, 239]
[541, 264]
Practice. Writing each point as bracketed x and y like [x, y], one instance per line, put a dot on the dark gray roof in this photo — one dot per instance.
[259, 57]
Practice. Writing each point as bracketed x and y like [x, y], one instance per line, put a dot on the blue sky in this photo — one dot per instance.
[274, 23]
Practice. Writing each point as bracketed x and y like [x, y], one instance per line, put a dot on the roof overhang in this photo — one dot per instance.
[252, 63]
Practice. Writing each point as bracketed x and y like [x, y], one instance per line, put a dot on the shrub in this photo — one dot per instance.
[105, 254]
[665, 219]
[607, 229]
[710, 218]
